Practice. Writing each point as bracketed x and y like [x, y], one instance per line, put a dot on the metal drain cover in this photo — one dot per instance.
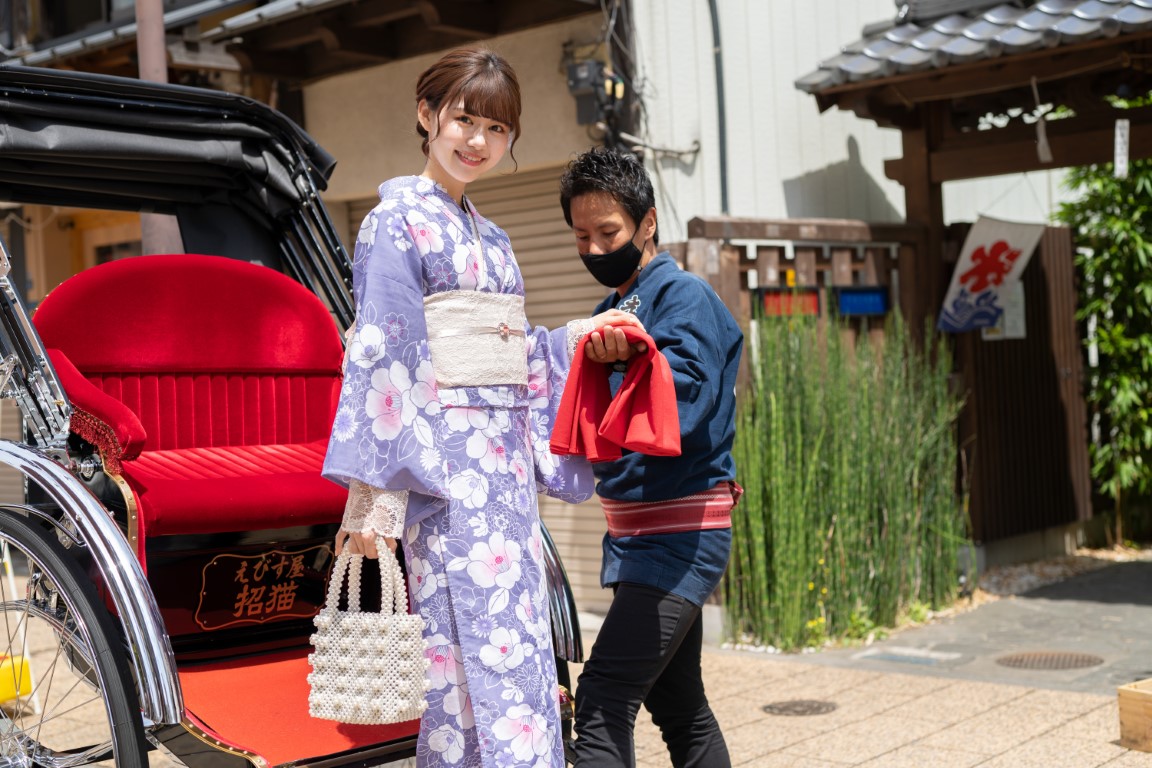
[800, 708]
[1049, 660]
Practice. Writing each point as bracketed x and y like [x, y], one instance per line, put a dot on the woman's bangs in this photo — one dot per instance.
[492, 98]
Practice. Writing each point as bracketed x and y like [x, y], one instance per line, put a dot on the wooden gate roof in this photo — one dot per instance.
[973, 94]
[986, 75]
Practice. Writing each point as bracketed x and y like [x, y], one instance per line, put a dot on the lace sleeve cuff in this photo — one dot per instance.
[577, 330]
[374, 509]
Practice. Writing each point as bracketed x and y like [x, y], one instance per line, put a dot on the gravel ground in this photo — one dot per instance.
[1010, 580]
[1023, 577]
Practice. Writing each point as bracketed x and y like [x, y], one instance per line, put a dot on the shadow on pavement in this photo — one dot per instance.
[1129, 583]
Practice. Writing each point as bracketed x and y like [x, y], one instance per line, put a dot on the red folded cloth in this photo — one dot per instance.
[642, 417]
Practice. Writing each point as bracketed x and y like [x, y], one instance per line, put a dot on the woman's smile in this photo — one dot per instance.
[469, 159]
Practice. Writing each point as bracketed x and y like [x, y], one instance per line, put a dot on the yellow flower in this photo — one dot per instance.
[823, 590]
[811, 586]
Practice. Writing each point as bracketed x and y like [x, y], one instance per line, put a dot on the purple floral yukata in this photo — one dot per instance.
[473, 459]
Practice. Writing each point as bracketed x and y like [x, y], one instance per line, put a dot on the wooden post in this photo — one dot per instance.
[720, 266]
[924, 207]
[160, 233]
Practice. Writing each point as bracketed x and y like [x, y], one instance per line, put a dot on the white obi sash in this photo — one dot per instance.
[476, 339]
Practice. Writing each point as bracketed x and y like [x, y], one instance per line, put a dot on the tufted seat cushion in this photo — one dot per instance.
[235, 488]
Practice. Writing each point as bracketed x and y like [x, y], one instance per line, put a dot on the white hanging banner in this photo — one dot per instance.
[1013, 323]
[994, 255]
[1120, 150]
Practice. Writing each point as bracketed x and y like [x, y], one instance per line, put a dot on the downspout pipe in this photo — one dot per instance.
[721, 111]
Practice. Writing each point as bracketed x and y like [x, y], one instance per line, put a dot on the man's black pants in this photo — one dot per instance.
[648, 650]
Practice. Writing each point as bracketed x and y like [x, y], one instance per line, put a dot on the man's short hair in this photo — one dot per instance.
[620, 175]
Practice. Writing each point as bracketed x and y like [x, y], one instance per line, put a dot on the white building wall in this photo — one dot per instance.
[1031, 197]
[785, 158]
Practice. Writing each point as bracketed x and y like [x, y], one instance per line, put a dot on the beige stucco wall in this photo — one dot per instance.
[367, 119]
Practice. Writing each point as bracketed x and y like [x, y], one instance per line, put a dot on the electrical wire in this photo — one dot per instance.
[29, 226]
[639, 86]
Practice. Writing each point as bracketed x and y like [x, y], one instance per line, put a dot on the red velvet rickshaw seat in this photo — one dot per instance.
[208, 383]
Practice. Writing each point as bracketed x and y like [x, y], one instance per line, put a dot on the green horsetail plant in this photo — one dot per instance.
[848, 458]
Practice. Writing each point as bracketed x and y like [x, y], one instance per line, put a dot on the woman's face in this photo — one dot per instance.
[461, 146]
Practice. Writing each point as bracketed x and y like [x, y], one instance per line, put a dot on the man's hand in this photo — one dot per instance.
[362, 543]
[607, 344]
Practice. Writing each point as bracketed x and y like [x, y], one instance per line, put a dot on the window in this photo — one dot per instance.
[113, 251]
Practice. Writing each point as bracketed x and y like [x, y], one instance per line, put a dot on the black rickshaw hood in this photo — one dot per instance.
[139, 134]
[242, 178]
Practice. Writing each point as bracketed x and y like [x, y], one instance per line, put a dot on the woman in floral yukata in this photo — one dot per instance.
[441, 433]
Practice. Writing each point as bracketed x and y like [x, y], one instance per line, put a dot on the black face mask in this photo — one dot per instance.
[613, 269]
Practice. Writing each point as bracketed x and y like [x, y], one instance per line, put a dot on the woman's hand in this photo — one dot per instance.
[348, 336]
[361, 543]
[607, 344]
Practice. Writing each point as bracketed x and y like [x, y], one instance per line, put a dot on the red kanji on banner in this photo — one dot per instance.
[990, 267]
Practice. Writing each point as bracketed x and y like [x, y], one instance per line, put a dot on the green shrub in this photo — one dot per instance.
[848, 458]
[1110, 220]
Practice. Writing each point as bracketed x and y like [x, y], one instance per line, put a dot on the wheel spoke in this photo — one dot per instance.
[54, 712]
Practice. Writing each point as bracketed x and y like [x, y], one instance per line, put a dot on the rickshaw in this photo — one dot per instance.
[175, 537]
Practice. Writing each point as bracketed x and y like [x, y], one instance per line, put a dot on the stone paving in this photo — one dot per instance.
[894, 720]
[934, 696]
[893, 709]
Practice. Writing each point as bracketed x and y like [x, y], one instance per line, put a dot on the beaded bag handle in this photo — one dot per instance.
[392, 588]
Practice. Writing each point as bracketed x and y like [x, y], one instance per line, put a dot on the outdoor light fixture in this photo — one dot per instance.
[595, 88]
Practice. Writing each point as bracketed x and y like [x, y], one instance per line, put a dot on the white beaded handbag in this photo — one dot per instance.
[367, 668]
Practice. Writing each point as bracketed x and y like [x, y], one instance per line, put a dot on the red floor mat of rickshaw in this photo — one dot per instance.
[261, 705]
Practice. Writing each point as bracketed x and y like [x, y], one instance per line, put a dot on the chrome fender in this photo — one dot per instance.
[565, 623]
[151, 653]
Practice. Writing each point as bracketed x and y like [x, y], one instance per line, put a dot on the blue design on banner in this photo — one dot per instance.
[967, 315]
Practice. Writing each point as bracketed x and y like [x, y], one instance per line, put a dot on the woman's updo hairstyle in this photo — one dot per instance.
[479, 78]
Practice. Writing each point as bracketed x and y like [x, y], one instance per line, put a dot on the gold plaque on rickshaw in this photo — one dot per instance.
[256, 588]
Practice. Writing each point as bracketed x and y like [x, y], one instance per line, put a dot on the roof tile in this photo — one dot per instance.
[1004, 14]
[981, 32]
[52, 54]
[903, 33]
[1076, 29]
[818, 80]
[1037, 20]
[952, 25]
[1057, 7]
[880, 48]
[861, 67]
[1094, 10]
[930, 40]
[911, 59]
[1017, 40]
[961, 49]
[1133, 17]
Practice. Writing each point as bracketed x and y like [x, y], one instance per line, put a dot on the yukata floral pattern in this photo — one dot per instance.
[473, 460]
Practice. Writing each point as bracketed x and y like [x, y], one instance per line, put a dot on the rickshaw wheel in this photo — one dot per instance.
[67, 696]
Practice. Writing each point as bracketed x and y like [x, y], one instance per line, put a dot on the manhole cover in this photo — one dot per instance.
[800, 708]
[1049, 660]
